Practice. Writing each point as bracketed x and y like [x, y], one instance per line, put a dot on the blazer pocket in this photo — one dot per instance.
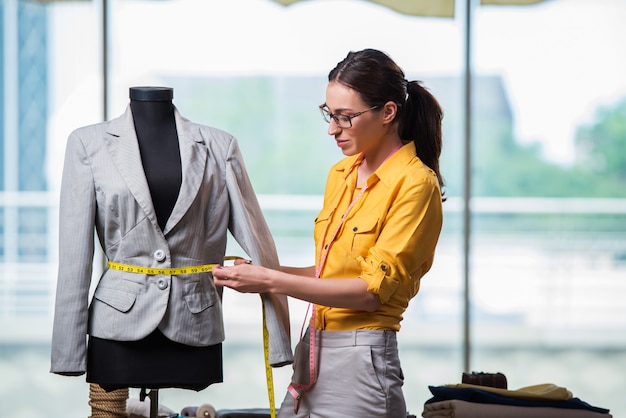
[198, 302]
[117, 299]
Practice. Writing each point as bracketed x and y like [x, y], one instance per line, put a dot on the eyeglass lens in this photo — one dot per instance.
[342, 121]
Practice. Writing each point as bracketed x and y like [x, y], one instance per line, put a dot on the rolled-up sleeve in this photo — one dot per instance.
[405, 248]
[378, 275]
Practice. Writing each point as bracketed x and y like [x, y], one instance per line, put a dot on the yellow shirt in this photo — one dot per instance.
[388, 238]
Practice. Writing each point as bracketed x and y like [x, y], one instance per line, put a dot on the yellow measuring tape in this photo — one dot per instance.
[269, 377]
[152, 271]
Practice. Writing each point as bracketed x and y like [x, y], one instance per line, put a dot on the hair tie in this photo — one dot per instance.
[406, 89]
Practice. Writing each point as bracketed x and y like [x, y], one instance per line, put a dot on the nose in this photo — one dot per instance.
[333, 128]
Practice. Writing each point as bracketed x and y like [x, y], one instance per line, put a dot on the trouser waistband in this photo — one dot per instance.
[353, 338]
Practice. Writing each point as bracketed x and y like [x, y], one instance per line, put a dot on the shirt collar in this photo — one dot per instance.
[395, 164]
[388, 170]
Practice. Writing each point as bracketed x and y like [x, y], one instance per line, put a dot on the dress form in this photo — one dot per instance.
[155, 126]
[155, 361]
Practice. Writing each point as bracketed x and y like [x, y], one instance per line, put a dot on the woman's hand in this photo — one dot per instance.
[243, 277]
[299, 283]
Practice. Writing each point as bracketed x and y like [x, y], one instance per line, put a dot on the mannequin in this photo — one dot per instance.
[153, 114]
[155, 362]
[160, 193]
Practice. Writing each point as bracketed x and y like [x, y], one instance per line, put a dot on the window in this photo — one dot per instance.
[547, 252]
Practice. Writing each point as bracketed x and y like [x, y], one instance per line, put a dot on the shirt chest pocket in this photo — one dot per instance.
[321, 224]
[364, 231]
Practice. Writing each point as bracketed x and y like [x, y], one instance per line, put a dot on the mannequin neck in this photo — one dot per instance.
[152, 104]
[152, 112]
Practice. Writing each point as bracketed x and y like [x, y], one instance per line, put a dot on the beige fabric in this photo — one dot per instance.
[462, 409]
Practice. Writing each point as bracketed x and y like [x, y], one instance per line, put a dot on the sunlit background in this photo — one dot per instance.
[546, 256]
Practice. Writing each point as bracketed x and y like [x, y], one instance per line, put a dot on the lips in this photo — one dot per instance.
[341, 143]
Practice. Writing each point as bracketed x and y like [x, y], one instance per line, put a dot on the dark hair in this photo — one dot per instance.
[378, 79]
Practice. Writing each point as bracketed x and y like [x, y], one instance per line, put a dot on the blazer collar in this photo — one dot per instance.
[193, 157]
[121, 141]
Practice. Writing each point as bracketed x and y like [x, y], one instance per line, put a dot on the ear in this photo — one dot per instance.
[390, 109]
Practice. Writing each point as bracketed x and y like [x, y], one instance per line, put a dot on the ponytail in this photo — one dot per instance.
[421, 122]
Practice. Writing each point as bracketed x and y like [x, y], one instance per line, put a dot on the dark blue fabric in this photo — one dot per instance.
[444, 393]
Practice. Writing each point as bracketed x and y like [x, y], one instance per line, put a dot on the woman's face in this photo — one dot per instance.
[367, 130]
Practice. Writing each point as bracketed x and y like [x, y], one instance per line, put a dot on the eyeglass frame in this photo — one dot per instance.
[326, 113]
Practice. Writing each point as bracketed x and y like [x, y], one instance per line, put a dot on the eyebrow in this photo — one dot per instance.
[338, 111]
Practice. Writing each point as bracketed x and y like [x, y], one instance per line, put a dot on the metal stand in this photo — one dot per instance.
[154, 400]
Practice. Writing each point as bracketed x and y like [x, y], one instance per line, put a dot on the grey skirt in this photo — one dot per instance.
[359, 375]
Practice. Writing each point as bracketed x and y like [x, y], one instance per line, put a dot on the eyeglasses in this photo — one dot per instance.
[342, 121]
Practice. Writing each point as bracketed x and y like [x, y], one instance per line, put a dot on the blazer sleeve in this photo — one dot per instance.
[76, 249]
[249, 228]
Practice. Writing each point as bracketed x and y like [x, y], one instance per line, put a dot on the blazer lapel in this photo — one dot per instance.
[193, 158]
[122, 144]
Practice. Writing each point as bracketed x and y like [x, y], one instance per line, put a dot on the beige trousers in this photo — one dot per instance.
[359, 375]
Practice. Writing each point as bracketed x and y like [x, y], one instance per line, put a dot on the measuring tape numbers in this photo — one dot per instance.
[153, 271]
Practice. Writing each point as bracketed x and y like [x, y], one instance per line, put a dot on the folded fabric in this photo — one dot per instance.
[479, 394]
[462, 409]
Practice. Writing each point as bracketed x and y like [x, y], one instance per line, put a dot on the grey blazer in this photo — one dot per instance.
[104, 189]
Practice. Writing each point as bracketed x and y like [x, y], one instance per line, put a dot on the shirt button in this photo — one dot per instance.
[162, 284]
[383, 267]
[355, 229]
[159, 255]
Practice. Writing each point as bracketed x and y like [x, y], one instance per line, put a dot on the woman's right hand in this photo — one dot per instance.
[243, 277]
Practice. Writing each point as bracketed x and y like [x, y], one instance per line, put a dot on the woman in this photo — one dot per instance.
[375, 238]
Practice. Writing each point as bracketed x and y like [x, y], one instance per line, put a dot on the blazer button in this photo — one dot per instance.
[162, 284]
[159, 255]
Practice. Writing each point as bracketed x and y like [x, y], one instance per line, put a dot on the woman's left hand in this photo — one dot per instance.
[243, 277]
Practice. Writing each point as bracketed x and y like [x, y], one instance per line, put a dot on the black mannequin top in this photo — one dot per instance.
[153, 114]
[155, 361]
